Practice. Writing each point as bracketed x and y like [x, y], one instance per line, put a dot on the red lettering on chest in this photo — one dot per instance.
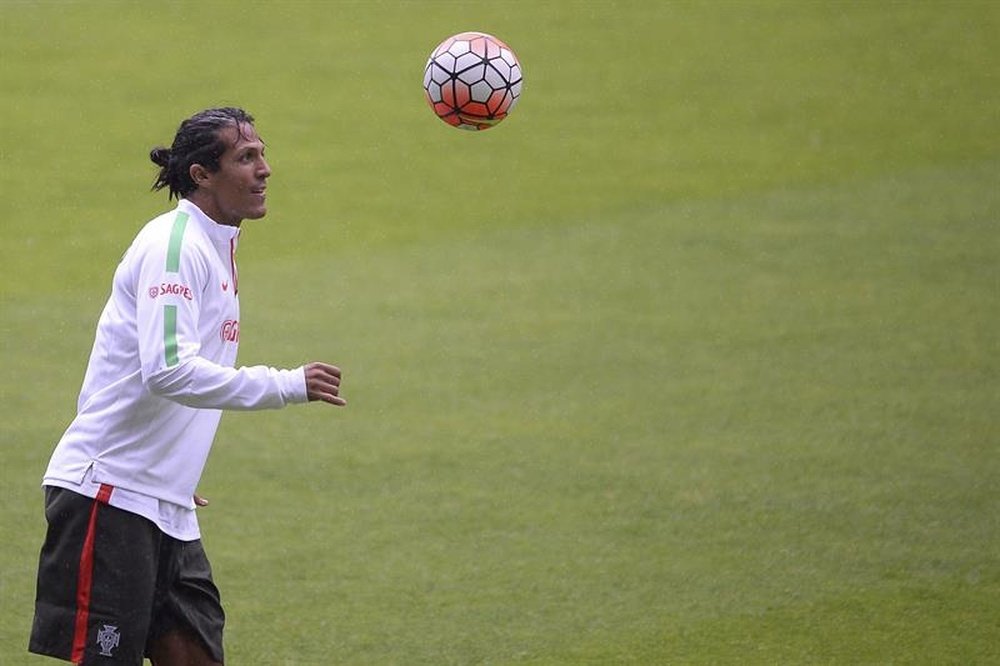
[230, 330]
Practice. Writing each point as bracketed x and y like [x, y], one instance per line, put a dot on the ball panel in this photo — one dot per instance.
[462, 94]
[444, 111]
[476, 110]
[458, 48]
[481, 91]
[478, 46]
[492, 77]
[448, 94]
[433, 92]
[473, 75]
[466, 61]
[438, 74]
[496, 103]
[446, 61]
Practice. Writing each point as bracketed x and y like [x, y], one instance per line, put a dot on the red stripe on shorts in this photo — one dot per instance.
[85, 577]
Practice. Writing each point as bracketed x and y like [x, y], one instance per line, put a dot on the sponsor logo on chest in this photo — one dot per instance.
[170, 288]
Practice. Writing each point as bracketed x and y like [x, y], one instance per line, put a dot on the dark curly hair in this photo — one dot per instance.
[197, 142]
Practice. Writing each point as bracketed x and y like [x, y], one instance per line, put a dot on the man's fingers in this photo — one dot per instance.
[326, 368]
[323, 383]
[329, 398]
[325, 372]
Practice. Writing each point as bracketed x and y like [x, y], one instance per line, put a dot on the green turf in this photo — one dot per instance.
[691, 360]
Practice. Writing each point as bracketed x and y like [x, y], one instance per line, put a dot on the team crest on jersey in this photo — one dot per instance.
[108, 638]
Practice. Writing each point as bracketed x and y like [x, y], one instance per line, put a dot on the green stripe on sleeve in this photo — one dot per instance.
[170, 335]
[176, 239]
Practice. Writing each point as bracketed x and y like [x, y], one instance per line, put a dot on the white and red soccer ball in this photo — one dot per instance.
[472, 80]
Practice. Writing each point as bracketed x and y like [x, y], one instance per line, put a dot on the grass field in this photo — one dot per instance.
[694, 359]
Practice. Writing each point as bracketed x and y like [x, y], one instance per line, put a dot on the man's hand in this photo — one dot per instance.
[323, 383]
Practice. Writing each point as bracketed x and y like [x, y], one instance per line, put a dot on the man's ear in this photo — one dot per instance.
[199, 174]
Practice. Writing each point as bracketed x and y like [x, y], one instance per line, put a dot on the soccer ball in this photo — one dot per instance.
[472, 80]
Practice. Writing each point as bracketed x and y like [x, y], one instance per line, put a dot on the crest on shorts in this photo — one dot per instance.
[108, 639]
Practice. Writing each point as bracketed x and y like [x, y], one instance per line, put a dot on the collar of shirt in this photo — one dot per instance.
[216, 231]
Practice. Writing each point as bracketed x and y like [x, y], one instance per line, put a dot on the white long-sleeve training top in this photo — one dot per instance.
[160, 372]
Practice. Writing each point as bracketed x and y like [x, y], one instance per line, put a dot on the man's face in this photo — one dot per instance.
[236, 192]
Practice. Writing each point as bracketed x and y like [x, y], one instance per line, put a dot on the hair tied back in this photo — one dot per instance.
[160, 156]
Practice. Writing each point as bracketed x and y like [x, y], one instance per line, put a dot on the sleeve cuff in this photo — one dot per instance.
[293, 385]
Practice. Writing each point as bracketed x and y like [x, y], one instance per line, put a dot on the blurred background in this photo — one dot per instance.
[692, 359]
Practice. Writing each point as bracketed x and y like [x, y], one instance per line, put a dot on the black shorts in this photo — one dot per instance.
[110, 583]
